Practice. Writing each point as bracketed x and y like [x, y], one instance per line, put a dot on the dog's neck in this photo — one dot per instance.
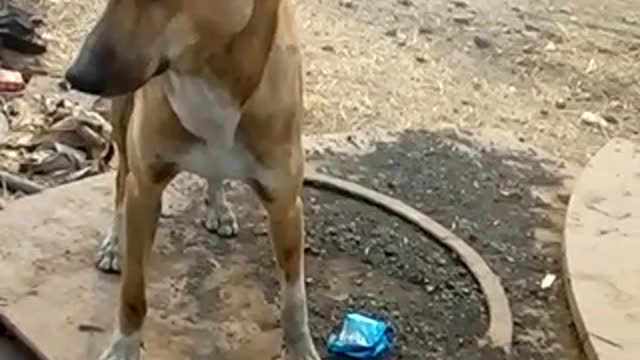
[241, 66]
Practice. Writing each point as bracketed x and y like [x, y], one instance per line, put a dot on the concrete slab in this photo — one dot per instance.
[602, 248]
[50, 293]
[14, 345]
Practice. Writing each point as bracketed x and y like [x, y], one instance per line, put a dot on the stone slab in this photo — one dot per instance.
[50, 290]
[602, 253]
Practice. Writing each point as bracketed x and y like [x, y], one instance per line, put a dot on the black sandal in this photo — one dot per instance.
[17, 30]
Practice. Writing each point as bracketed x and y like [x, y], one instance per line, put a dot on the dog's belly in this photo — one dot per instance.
[217, 162]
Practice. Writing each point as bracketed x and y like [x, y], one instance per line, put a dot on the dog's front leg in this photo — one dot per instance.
[142, 205]
[287, 234]
[219, 218]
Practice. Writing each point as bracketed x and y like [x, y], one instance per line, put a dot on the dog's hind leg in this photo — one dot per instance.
[108, 259]
[287, 234]
[220, 217]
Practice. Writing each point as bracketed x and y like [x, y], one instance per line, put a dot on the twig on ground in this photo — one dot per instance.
[16, 183]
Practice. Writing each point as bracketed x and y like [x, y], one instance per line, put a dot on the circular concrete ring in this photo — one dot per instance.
[600, 253]
[500, 331]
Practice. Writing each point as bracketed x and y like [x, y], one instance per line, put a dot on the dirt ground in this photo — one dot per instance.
[503, 197]
[529, 68]
[218, 298]
[358, 258]
[532, 68]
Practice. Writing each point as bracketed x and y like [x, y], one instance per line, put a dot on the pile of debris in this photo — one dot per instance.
[45, 140]
[58, 143]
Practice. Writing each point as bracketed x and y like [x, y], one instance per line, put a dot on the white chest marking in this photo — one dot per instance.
[211, 114]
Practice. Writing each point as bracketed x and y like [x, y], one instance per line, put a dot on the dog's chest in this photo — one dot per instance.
[210, 114]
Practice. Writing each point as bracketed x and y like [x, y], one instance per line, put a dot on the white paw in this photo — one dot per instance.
[221, 221]
[123, 348]
[304, 350]
[108, 258]
[297, 338]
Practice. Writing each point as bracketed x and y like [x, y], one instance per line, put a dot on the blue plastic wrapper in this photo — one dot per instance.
[360, 337]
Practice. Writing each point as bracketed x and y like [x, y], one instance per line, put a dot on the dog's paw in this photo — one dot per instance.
[123, 348]
[221, 221]
[301, 351]
[108, 257]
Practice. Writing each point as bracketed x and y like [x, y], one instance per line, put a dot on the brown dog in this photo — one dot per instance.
[212, 87]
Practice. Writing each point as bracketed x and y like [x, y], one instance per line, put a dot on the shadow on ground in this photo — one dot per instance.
[505, 202]
[497, 194]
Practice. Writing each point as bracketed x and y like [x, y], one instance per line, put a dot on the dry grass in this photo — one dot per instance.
[385, 65]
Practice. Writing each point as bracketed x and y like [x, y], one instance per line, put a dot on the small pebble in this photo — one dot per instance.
[460, 4]
[463, 19]
[551, 47]
[425, 30]
[391, 32]
[481, 41]
[328, 48]
[611, 119]
[347, 4]
[592, 119]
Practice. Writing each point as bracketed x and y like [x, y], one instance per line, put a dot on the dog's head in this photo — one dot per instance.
[135, 40]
